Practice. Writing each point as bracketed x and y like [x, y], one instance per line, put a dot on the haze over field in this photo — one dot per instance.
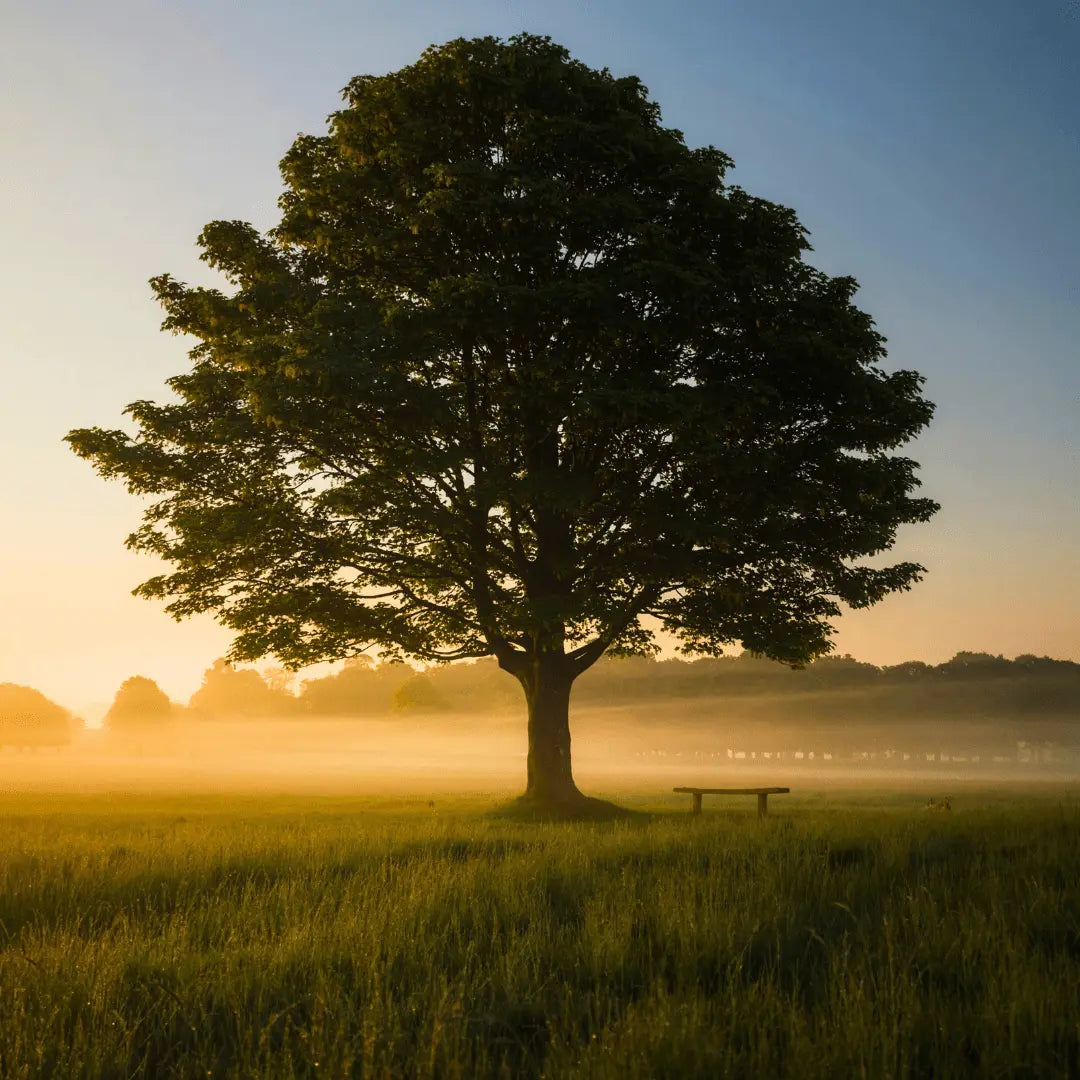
[617, 751]
[639, 726]
[932, 151]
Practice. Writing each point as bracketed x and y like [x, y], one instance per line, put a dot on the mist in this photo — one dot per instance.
[645, 748]
[637, 725]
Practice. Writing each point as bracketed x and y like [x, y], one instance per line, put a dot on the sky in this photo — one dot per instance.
[932, 150]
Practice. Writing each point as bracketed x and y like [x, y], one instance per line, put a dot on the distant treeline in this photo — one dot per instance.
[971, 685]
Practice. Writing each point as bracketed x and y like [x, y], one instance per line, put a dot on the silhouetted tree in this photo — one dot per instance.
[975, 665]
[909, 671]
[29, 719]
[361, 688]
[474, 686]
[517, 368]
[239, 692]
[417, 694]
[1044, 665]
[140, 705]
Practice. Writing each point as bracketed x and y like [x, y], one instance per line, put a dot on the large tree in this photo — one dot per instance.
[519, 373]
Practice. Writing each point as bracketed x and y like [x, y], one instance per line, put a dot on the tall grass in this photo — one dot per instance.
[145, 937]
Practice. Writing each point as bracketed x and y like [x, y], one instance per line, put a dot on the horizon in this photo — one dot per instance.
[92, 712]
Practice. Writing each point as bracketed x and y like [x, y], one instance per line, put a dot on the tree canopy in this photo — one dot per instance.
[228, 691]
[139, 705]
[516, 369]
[29, 718]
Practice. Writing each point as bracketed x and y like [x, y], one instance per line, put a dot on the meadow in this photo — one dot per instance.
[848, 934]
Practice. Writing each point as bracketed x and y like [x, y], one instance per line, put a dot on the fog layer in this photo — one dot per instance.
[651, 747]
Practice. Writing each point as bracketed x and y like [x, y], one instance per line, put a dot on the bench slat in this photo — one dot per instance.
[732, 790]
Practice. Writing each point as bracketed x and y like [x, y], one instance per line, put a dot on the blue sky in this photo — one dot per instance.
[933, 150]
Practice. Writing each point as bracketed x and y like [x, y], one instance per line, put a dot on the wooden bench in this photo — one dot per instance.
[762, 794]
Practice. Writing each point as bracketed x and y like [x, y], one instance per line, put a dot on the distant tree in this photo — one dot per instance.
[474, 686]
[909, 671]
[1045, 665]
[29, 719]
[839, 672]
[227, 691]
[517, 368]
[417, 694]
[361, 688]
[280, 680]
[140, 705]
[977, 665]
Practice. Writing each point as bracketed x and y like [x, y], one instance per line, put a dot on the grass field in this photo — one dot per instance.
[845, 935]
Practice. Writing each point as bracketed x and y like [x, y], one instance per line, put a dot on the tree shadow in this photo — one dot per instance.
[528, 810]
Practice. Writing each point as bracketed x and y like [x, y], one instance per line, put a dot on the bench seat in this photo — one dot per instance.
[762, 794]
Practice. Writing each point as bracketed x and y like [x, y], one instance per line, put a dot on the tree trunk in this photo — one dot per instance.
[547, 686]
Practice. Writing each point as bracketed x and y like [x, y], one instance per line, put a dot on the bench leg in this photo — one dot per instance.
[762, 805]
[697, 803]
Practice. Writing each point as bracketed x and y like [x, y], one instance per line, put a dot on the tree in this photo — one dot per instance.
[230, 692]
[418, 693]
[517, 369]
[361, 688]
[140, 705]
[29, 718]
[976, 665]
